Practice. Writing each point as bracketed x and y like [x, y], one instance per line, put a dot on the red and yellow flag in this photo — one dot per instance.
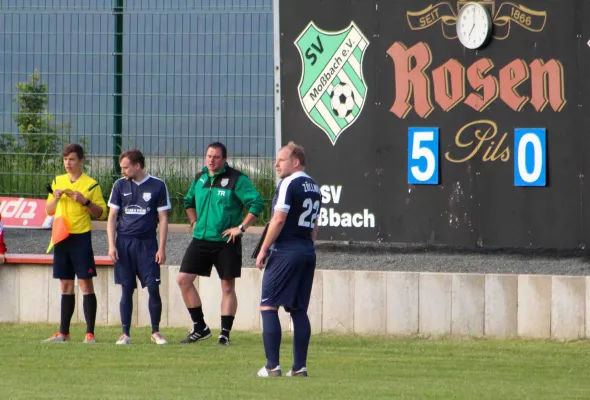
[60, 228]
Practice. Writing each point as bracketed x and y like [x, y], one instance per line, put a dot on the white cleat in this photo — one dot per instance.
[301, 373]
[124, 339]
[157, 338]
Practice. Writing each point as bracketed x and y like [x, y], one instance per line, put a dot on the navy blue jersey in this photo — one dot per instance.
[299, 197]
[138, 205]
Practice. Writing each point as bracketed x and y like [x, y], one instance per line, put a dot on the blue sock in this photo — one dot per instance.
[126, 308]
[155, 307]
[301, 336]
[271, 336]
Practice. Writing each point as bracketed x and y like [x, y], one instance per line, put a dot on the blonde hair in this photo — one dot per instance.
[297, 151]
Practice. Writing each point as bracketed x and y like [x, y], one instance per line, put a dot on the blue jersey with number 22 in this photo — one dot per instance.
[299, 197]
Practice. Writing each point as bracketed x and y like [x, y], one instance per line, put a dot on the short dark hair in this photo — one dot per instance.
[135, 156]
[297, 151]
[220, 146]
[73, 148]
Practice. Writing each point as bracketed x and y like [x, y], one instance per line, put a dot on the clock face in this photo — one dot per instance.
[474, 25]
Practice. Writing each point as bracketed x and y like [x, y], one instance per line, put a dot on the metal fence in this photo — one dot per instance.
[165, 77]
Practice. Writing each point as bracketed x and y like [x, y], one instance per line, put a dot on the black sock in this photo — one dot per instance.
[89, 305]
[197, 317]
[155, 307]
[271, 337]
[126, 307]
[226, 323]
[68, 305]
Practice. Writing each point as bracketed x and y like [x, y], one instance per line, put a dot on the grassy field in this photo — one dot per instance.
[341, 367]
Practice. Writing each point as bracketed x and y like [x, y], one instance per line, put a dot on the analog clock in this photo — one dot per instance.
[474, 25]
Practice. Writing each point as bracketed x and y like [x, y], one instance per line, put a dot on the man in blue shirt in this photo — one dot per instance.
[139, 202]
[289, 246]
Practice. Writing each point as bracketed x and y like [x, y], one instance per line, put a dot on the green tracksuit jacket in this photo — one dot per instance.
[220, 201]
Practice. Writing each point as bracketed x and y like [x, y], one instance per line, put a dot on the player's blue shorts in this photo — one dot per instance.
[137, 258]
[287, 279]
[73, 257]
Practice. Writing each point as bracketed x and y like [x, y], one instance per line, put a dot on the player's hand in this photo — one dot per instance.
[161, 256]
[113, 254]
[233, 233]
[261, 259]
[57, 193]
[2, 258]
[78, 197]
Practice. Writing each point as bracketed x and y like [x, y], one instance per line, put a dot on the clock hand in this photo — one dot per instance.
[472, 26]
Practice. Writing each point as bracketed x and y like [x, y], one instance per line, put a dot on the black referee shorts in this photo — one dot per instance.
[201, 255]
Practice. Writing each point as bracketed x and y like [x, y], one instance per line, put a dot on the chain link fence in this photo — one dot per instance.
[165, 77]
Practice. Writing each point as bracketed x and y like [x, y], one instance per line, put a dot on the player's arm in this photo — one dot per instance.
[274, 230]
[164, 206]
[52, 198]
[190, 205]
[114, 207]
[314, 233]
[250, 197]
[285, 197]
[96, 205]
[163, 227]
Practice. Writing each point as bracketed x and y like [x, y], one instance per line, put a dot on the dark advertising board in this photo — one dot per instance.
[451, 123]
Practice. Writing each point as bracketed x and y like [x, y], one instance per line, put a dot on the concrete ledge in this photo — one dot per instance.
[363, 302]
[534, 306]
[568, 307]
[501, 305]
[434, 318]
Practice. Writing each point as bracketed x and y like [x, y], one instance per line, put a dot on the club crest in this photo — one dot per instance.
[332, 89]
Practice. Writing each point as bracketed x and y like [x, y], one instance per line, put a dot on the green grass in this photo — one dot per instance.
[341, 367]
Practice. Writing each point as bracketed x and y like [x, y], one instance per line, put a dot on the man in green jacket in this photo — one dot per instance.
[215, 206]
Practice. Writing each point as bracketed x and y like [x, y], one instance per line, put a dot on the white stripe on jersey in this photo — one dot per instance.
[168, 206]
[280, 205]
[110, 202]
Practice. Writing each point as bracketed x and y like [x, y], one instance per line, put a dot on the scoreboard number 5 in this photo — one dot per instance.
[423, 156]
[530, 157]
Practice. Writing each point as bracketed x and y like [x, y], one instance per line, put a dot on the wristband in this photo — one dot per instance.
[87, 202]
[242, 229]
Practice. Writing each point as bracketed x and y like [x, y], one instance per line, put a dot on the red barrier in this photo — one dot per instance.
[20, 212]
[47, 259]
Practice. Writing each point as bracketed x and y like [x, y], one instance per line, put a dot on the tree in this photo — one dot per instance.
[37, 131]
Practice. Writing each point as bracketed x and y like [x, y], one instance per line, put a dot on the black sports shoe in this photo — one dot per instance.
[223, 340]
[195, 336]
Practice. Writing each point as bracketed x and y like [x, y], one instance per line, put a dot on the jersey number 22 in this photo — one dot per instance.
[309, 214]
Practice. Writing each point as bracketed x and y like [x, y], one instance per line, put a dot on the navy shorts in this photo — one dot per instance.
[137, 258]
[201, 255]
[287, 280]
[73, 257]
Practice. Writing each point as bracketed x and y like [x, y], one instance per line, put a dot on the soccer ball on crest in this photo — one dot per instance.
[342, 100]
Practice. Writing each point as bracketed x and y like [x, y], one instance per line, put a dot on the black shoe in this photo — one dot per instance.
[195, 336]
[223, 340]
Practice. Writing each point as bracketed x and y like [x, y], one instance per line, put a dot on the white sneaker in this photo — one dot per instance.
[269, 373]
[301, 373]
[157, 338]
[124, 339]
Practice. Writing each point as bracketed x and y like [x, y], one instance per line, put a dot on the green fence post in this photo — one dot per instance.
[118, 104]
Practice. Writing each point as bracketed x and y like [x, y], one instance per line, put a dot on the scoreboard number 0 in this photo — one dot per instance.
[530, 157]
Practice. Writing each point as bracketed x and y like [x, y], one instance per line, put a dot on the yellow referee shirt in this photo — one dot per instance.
[77, 214]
